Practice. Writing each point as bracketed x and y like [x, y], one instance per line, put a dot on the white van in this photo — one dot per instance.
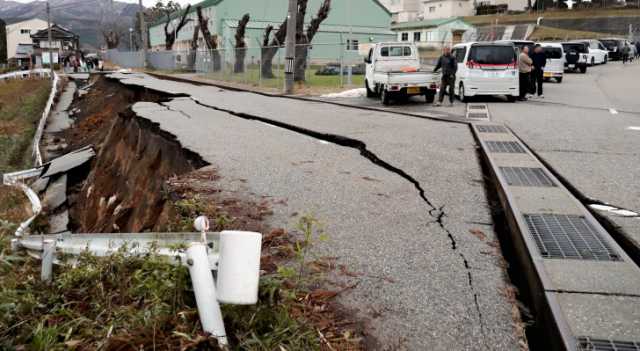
[598, 53]
[555, 61]
[486, 69]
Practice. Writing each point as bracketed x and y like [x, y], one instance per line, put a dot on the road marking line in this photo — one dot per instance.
[613, 111]
[633, 128]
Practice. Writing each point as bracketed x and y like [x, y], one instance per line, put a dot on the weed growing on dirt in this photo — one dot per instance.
[133, 303]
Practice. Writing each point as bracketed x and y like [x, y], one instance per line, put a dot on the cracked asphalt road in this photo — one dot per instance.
[574, 131]
[378, 223]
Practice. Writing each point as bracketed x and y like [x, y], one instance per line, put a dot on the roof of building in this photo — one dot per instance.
[209, 3]
[56, 32]
[426, 23]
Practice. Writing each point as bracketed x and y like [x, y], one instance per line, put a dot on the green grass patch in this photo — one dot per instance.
[21, 106]
[313, 81]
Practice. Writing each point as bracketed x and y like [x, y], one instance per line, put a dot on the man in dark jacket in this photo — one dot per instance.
[539, 59]
[449, 67]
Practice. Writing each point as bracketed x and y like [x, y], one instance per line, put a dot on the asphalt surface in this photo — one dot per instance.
[414, 286]
[584, 129]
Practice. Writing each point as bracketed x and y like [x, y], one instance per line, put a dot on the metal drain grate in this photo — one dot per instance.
[525, 176]
[588, 344]
[477, 107]
[478, 115]
[491, 129]
[568, 237]
[512, 147]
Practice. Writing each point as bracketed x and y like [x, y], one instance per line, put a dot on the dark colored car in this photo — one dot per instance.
[333, 69]
[614, 46]
[576, 56]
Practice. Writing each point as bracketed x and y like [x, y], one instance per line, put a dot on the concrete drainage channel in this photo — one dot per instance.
[583, 287]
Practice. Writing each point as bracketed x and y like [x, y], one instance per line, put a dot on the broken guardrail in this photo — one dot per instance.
[235, 255]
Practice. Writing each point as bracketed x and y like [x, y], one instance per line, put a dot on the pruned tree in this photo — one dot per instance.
[241, 46]
[210, 40]
[3, 41]
[170, 36]
[194, 47]
[111, 38]
[303, 40]
[152, 15]
[270, 48]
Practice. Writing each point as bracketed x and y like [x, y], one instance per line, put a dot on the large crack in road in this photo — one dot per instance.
[437, 213]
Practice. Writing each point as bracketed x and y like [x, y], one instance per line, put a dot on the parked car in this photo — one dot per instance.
[576, 57]
[614, 47]
[333, 69]
[394, 72]
[598, 54]
[486, 69]
[555, 61]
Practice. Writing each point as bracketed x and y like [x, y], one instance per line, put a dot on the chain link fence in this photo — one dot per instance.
[327, 65]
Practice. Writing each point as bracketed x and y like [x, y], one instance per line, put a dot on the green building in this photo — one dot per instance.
[356, 22]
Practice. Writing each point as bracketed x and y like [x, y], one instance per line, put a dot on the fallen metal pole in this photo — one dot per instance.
[205, 291]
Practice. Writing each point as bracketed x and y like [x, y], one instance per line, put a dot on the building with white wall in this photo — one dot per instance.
[433, 33]
[403, 10]
[438, 9]
[20, 34]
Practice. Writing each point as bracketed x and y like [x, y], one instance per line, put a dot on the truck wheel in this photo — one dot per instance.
[559, 80]
[583, 69]
[384, 96]
[461, 93]
[430, 96]
[370, 93]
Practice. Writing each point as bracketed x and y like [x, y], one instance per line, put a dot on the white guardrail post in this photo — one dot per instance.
[205, 292]
[48, 255]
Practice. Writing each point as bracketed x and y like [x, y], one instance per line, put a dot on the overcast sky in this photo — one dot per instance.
[146, 3]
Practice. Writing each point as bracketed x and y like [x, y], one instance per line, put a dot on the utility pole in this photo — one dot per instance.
[290, 47]
[143, 33]
[49, 40]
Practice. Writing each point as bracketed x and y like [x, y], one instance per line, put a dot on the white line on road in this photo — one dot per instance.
[324, 142]
[633, 128]
[617, 211]
[613, 111]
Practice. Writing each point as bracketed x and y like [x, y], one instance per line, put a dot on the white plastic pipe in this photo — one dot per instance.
[205, 291]
[48, 254]
[239, 267]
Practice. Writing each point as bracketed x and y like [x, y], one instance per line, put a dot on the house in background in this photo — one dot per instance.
[19, 36]
[446, 9]
[403, 10]
[63, 44]
[434, 33]
[350, 24]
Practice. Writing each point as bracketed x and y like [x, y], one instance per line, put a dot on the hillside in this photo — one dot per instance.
[81, 16]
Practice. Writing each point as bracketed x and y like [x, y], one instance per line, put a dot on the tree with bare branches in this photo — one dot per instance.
[241, 45]
[270, 48]
[171, 35]
[303, 39]
[111, 38]
[210, 40]
[194, 47]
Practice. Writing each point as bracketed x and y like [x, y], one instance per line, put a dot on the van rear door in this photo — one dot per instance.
[555, 61]
[492, 62]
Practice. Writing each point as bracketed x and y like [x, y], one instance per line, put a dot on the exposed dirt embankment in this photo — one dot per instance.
[124, 191]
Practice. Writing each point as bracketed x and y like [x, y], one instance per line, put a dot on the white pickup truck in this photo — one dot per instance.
[394, 72]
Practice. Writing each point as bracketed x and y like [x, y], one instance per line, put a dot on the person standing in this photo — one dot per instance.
[449, 69]
[539, 59]
[637, 49]
[524, 67]
[626, 50]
